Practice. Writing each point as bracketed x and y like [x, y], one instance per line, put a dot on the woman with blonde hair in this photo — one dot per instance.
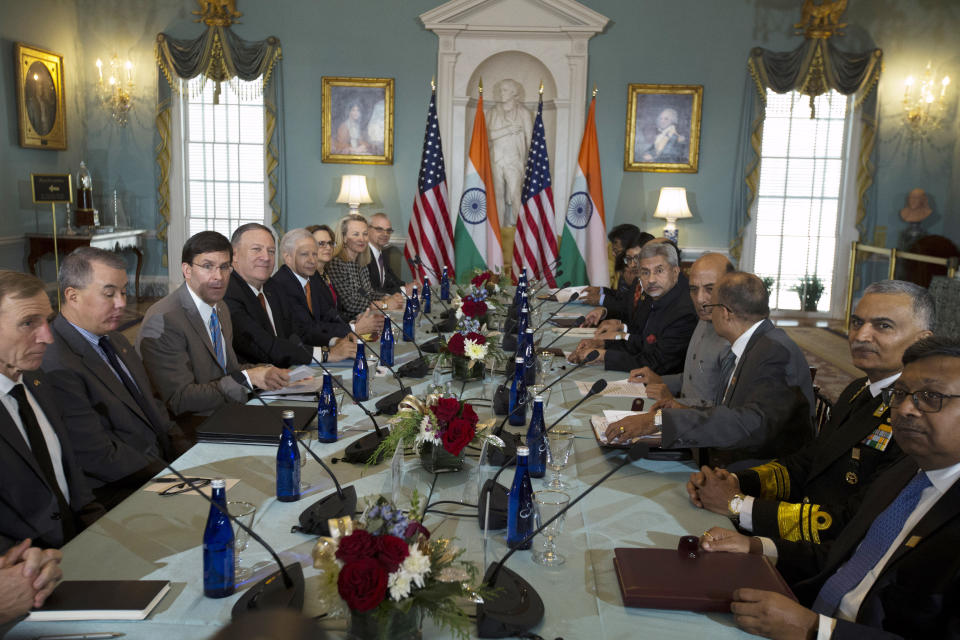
[348, 270]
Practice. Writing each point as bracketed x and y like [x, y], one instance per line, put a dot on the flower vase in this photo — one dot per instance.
[465, 371]
[395, 626]
[436, 459]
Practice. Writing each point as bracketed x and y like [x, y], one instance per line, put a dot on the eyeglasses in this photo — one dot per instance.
[707, 307]
[376, 228]
[324, 243]
[631, 259]
[209, 267]
[182, 487]
[925, 401]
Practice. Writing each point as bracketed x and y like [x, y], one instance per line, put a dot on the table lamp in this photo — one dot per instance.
[672, 206]
[353, 191]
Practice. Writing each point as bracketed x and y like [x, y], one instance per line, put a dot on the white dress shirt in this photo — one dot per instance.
[317, 351]
[375, 255]
[257, 293]
[206, 311]
[49, 435]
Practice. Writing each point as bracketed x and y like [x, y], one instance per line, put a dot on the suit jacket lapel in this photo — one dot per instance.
[944, 510]
[764, 327]
[193, 317]
[10, 433]
[840, 441]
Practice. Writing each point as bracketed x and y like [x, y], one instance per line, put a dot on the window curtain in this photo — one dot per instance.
[219, 55]
[813, 68]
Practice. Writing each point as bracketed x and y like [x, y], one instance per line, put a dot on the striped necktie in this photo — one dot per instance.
[217, 338]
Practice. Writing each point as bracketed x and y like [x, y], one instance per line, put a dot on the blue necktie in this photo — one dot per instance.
[217, 338]
[875, 544]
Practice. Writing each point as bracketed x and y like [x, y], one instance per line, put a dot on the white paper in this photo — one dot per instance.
[600, 424]
[612, 415]
[617, 389]
[301, 373]
[159, 487]
[304, 386]
[562, 295]
[578, 332]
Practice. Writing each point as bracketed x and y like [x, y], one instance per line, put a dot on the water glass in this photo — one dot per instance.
[540, 390]
[559, 450]
[545, 360]
[244, 512]
[548, 504]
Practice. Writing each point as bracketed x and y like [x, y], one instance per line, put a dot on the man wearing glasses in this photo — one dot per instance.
[893, 570]
[385, 282]
[810, 494]
[186, 340]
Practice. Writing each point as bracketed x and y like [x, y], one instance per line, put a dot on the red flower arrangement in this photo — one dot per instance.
[456, 346]
[474, 308]
[481, 279]
[457, 422]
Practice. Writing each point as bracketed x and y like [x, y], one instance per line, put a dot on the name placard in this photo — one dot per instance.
[51, 187]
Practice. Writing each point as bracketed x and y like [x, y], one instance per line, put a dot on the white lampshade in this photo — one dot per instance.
[673, 204]
[353, 191]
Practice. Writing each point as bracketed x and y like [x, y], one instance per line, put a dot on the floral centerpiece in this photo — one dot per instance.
[439, 429]
[469, 346]
[390, 573]
[489, 281]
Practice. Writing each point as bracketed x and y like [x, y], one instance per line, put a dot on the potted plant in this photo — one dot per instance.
[810, 288]
[768, 282]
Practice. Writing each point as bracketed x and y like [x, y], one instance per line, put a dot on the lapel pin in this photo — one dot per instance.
[913, 541]
[36, 383]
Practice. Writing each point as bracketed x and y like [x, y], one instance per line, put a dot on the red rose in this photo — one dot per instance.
[651, 339]
[391, 552]
[476, 337]
[474, 308]
[469, 415]
[362, 584]
[356, 546]
[446, 409]
[414, 528]
[458, 435]
[479, 279]
[455, 344]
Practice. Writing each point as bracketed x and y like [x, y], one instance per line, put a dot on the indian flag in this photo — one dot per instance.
[477, 236]
[583, 247]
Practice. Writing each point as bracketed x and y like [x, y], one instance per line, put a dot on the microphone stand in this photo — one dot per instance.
[415, 368]
[575, 325]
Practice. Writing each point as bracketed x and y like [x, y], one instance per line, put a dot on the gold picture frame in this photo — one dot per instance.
[663, 128]
[357, 120]
[41, 114]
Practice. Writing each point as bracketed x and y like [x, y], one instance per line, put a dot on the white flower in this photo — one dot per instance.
[473, 350]
[427, 433]
[416, 565]
[399, 583]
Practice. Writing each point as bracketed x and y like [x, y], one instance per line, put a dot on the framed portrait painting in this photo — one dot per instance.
[358, 120]
[663, 128]
[41, 116]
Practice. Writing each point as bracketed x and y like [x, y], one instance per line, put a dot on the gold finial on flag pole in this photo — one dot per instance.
[541, 87]
[594, 89]
[481, 86]
[433, 83]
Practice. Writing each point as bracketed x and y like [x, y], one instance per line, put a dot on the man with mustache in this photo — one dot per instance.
[116, 425]
[893, 570]
[810, 494]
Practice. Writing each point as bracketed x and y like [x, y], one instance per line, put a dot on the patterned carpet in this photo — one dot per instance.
[830, 354]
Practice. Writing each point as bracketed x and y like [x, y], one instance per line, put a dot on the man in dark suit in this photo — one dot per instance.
[116, 425]
[660, 322]
[893, 570]
[811, 494]
[186, 339]
[766, 401]
[384, 281]
[43, 494]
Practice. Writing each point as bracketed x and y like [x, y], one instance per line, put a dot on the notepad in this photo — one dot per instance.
[600, 424]
[616, 389]
[101, 600]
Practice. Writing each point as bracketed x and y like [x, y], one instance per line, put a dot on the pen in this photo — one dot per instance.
[83, 636]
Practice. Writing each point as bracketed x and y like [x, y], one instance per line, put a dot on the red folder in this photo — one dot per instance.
[666, 579]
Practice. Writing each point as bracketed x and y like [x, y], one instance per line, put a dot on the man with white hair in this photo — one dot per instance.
[668, 145]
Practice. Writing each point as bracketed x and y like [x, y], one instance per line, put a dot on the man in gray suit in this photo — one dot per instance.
[43, 494]
[698, 384]
[765, 402]
[186, 340]
[116, 425]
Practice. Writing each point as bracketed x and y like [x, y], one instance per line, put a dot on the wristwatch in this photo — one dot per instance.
[734, 506]
[658, 418]
[325, 354]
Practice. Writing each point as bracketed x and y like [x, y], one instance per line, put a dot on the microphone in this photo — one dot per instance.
[572, 298]
[515, 606]
[495, 493]
[403, 389]
[388, 403]
[281, 589]
[546, 279]
[576, 324]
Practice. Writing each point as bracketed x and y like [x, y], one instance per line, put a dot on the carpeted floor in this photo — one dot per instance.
[830, 354]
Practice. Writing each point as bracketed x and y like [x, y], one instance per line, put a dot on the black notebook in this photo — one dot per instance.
[251, 424]
[101, 600]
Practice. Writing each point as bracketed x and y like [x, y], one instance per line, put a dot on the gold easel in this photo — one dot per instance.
[52, 188]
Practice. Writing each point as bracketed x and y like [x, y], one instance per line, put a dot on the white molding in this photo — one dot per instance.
[9, 240]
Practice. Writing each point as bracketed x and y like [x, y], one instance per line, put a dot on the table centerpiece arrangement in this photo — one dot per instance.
[390, 574]
[471, 343]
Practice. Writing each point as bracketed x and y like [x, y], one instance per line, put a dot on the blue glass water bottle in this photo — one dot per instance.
[415, 300]
[529, 358]
[523, 319]
[409, 322]
[361, 375]
[444, 285]
[386, 342]
[288, 462]
[327, 412]
[517, 295]
[520, 515]
[518, 395]
[426, 295]
[218, 542]
[537, 441]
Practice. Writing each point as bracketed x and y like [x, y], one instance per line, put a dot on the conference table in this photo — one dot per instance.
[644, 504]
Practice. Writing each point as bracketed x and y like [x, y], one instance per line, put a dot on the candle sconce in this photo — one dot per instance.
[116, 92]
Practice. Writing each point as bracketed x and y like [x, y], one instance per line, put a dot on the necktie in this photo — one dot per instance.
[309, 294]
[727, 366]
[875, 544]
[38, 445]
[383, 271]
[263, 303]
[217, 339]
[114, 359]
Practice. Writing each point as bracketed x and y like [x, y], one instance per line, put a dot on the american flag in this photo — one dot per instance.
[535, 243]
[430, 234]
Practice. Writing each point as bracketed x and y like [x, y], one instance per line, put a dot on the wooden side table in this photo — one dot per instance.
[40, 244]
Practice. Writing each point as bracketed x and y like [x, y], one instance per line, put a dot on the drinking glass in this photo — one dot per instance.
[244, 512]
[548, 504]
[545, 360]
[539, 390]
[559, 448]
[372, 362]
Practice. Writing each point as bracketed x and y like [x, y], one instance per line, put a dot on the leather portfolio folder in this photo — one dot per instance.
[251, 424]
[665, 579]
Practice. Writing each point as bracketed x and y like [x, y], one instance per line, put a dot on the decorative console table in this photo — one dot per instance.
[116, 241]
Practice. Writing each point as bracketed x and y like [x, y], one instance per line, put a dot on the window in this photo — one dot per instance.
[798, 203]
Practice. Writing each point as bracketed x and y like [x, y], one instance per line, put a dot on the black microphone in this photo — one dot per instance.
[576, 325]
[388, 403]
[282, 588]
[496, 494]
[546, 282]
[514, 606]
[418, 367]
[403, 389]
[572, 298]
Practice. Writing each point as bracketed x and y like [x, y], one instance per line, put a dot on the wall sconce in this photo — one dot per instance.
[925, 103]
[672, 206]
[116, 92]
[353, 191]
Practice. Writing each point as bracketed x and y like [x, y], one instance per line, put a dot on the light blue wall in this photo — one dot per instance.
[647, 41]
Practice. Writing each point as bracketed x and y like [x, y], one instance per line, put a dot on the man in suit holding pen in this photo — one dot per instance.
[893, 570]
